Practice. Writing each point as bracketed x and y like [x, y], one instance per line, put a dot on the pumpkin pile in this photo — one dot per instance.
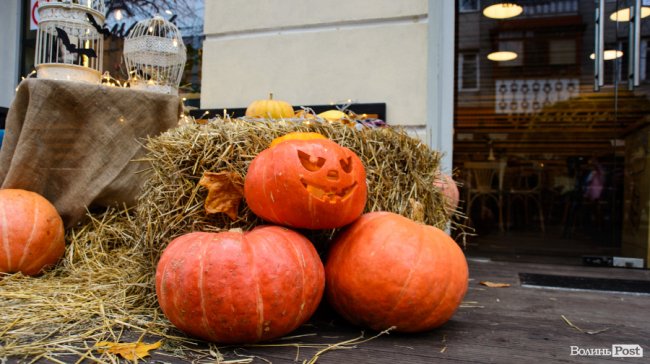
[384, 271]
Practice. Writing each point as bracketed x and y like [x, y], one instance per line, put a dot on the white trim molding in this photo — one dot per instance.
[440, 80]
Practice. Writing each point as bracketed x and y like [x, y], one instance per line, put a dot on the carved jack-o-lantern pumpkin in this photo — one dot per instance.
[312, 184]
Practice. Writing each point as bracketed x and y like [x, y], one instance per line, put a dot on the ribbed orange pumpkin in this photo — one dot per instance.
[234, 287]
[31, 232]
[311, 184]
[386, 270]
[272, 109]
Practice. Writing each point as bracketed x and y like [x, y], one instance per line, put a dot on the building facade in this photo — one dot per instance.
[335, 52]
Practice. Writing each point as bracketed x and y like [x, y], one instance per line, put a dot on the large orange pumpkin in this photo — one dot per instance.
[31, 232]
[311, 184]
[234, 287]
[271, 109]
[386, 270]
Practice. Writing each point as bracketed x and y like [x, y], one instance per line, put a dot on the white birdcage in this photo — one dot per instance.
[155, 55]
[68, 45]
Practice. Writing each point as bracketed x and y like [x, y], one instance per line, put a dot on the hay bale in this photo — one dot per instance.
[400, 171]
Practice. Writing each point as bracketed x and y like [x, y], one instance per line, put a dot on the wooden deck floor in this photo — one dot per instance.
[495, 325]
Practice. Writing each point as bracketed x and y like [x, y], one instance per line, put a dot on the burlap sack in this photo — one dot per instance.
[76, 143]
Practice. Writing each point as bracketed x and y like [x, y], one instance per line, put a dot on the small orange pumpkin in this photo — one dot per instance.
[31, 232]
[386, 270]
[238, 288]
[446, 184]
[334, 115]
[271, 109]
[306, 182]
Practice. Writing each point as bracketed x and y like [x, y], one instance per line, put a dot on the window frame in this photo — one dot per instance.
[461, 76]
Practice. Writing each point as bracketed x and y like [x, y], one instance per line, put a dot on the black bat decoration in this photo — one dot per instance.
[72, 48]
[101, 30]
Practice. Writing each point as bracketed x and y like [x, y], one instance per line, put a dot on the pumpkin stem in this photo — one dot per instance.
[270, 95]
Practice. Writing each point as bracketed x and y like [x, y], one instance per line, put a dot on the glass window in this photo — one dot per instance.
[465, 6]
[121, 17]
[468, 66]
[539, 113]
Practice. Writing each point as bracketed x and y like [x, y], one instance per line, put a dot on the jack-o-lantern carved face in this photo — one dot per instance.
[313, 184]
[328, 182]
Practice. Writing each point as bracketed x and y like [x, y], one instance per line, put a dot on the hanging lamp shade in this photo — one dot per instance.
[623, 15]
[502, 56]
[609, 54]
[507, 50]
[502, 10]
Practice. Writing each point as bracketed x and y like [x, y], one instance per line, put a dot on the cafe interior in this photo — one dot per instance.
[551, 126]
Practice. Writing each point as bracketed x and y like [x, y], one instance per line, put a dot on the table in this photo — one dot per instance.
[76, 143]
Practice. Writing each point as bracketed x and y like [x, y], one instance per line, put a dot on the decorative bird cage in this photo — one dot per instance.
[155, 55]
[68, 43]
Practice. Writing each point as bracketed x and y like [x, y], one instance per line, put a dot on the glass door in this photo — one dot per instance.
[542, 87]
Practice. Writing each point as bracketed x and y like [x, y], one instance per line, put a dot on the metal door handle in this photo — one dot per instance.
[599, 45]
[634, 49]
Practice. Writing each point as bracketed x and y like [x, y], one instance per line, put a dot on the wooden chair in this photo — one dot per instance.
[484, 182]
[524, 185]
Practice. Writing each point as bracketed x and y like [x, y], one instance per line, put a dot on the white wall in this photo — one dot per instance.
[317, 52]
[322, 51]
[9, 56]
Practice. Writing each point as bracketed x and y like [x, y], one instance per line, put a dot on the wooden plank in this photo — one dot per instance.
[495, 325]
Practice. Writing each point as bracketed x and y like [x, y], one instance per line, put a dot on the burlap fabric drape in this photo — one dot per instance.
[76, 143]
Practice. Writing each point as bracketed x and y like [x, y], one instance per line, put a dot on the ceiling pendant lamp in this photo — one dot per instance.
[503, 10]
[609, 54]
[624, 14]
[502, 56]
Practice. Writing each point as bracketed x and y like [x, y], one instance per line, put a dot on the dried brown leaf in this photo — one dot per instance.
[129, 351]
[225, 191]
[494, 284]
